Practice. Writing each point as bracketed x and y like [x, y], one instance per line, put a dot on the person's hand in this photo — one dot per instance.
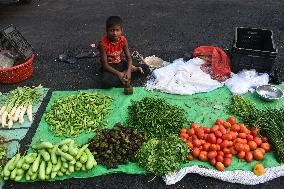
[127, 74]
[122, 77]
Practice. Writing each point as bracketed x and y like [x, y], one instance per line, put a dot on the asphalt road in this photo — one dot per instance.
[167, 29]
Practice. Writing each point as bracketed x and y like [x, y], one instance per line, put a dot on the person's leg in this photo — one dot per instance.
[109, 80]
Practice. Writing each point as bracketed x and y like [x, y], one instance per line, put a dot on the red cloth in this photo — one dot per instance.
[220, 61]
[113, 50]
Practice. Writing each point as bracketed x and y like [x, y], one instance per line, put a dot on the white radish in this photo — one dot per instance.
[21, 117]
[17, 113]
[2, 110]
[4, 118]
[30, 112]
[10, 115]
[10, 123]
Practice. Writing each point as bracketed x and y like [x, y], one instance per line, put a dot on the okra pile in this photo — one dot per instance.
[116, 146]
[73, 115]
[48, 161]
[156, 117]
[162, 157]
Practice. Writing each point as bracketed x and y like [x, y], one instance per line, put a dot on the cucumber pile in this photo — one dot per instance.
[49, 161]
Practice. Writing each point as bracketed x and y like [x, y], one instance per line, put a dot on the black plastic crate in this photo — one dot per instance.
[12, 39]
[253, 49]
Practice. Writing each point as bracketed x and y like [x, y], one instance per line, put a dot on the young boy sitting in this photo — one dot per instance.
[116, 71]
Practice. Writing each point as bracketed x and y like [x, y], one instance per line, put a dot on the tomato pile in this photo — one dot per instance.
[224, 139]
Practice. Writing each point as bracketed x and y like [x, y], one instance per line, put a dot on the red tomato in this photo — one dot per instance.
[252, 145]
[226, 125]
[262, 150]
[211, 154]
[219, 141]
[266, 146]
[189, 144]
[241, 155]
[221, 153]
[230, 143]
[199, 133]
[214, 128]
[189, 157]
[249, 157]
[183, 130]
[203, 156]
[223, 131]
[195, 152]
[243, 128]
[235, 128]
[258, 155]
[219, 121]
[228, 155]
[220, 166]
[184, 136]
[202, 142]
[196, 143]
[206, 146]
[233, 134]
[218, 147]
[238, 140]
[232, 120]
[227, 151]
[257, 140]
[224, 144]
[194, 125]
[249, 137]
[234, 151]
[246, 148]
[227, 162]
[239, 147]
[212, 161]
[211, 138]
[254, 132]
[227, 137]
[244, 141]
[264, 139]
[242, 135]
[206, 130]
[190, 132]
[220, 158]
[213, 147]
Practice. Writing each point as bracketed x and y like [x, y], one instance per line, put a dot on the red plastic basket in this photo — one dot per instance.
[17, 73]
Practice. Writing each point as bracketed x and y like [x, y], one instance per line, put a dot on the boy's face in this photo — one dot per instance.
[114, 32]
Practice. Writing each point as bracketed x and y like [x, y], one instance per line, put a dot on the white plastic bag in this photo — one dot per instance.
[245, 81]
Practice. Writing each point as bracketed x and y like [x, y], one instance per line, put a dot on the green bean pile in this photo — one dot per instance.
[73, 115]
[155, 116]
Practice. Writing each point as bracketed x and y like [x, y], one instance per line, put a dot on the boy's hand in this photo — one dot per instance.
[122, 77]
[127, 75]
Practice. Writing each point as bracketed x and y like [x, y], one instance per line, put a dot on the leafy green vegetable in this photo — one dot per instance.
[116, 146]
[162, 157]
[155, 116]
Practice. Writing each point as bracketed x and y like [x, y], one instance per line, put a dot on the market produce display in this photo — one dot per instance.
[164, 156]
[80, 113]
[223, 140]
[3, 154]
[116, 146]
[18, 103]
[156, 117]
[48, 161]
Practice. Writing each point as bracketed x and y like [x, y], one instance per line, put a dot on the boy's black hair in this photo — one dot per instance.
[112, 21]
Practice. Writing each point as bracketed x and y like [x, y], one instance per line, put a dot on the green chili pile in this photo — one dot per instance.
[162, 157]
[155, 116]
[76, 114]
[116, 146]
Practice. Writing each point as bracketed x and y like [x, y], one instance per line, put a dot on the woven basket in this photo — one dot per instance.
[17, 73]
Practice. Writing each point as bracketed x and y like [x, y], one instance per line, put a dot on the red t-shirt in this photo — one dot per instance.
[113, 50]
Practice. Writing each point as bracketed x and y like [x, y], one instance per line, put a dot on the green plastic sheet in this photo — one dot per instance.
[203, 108]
